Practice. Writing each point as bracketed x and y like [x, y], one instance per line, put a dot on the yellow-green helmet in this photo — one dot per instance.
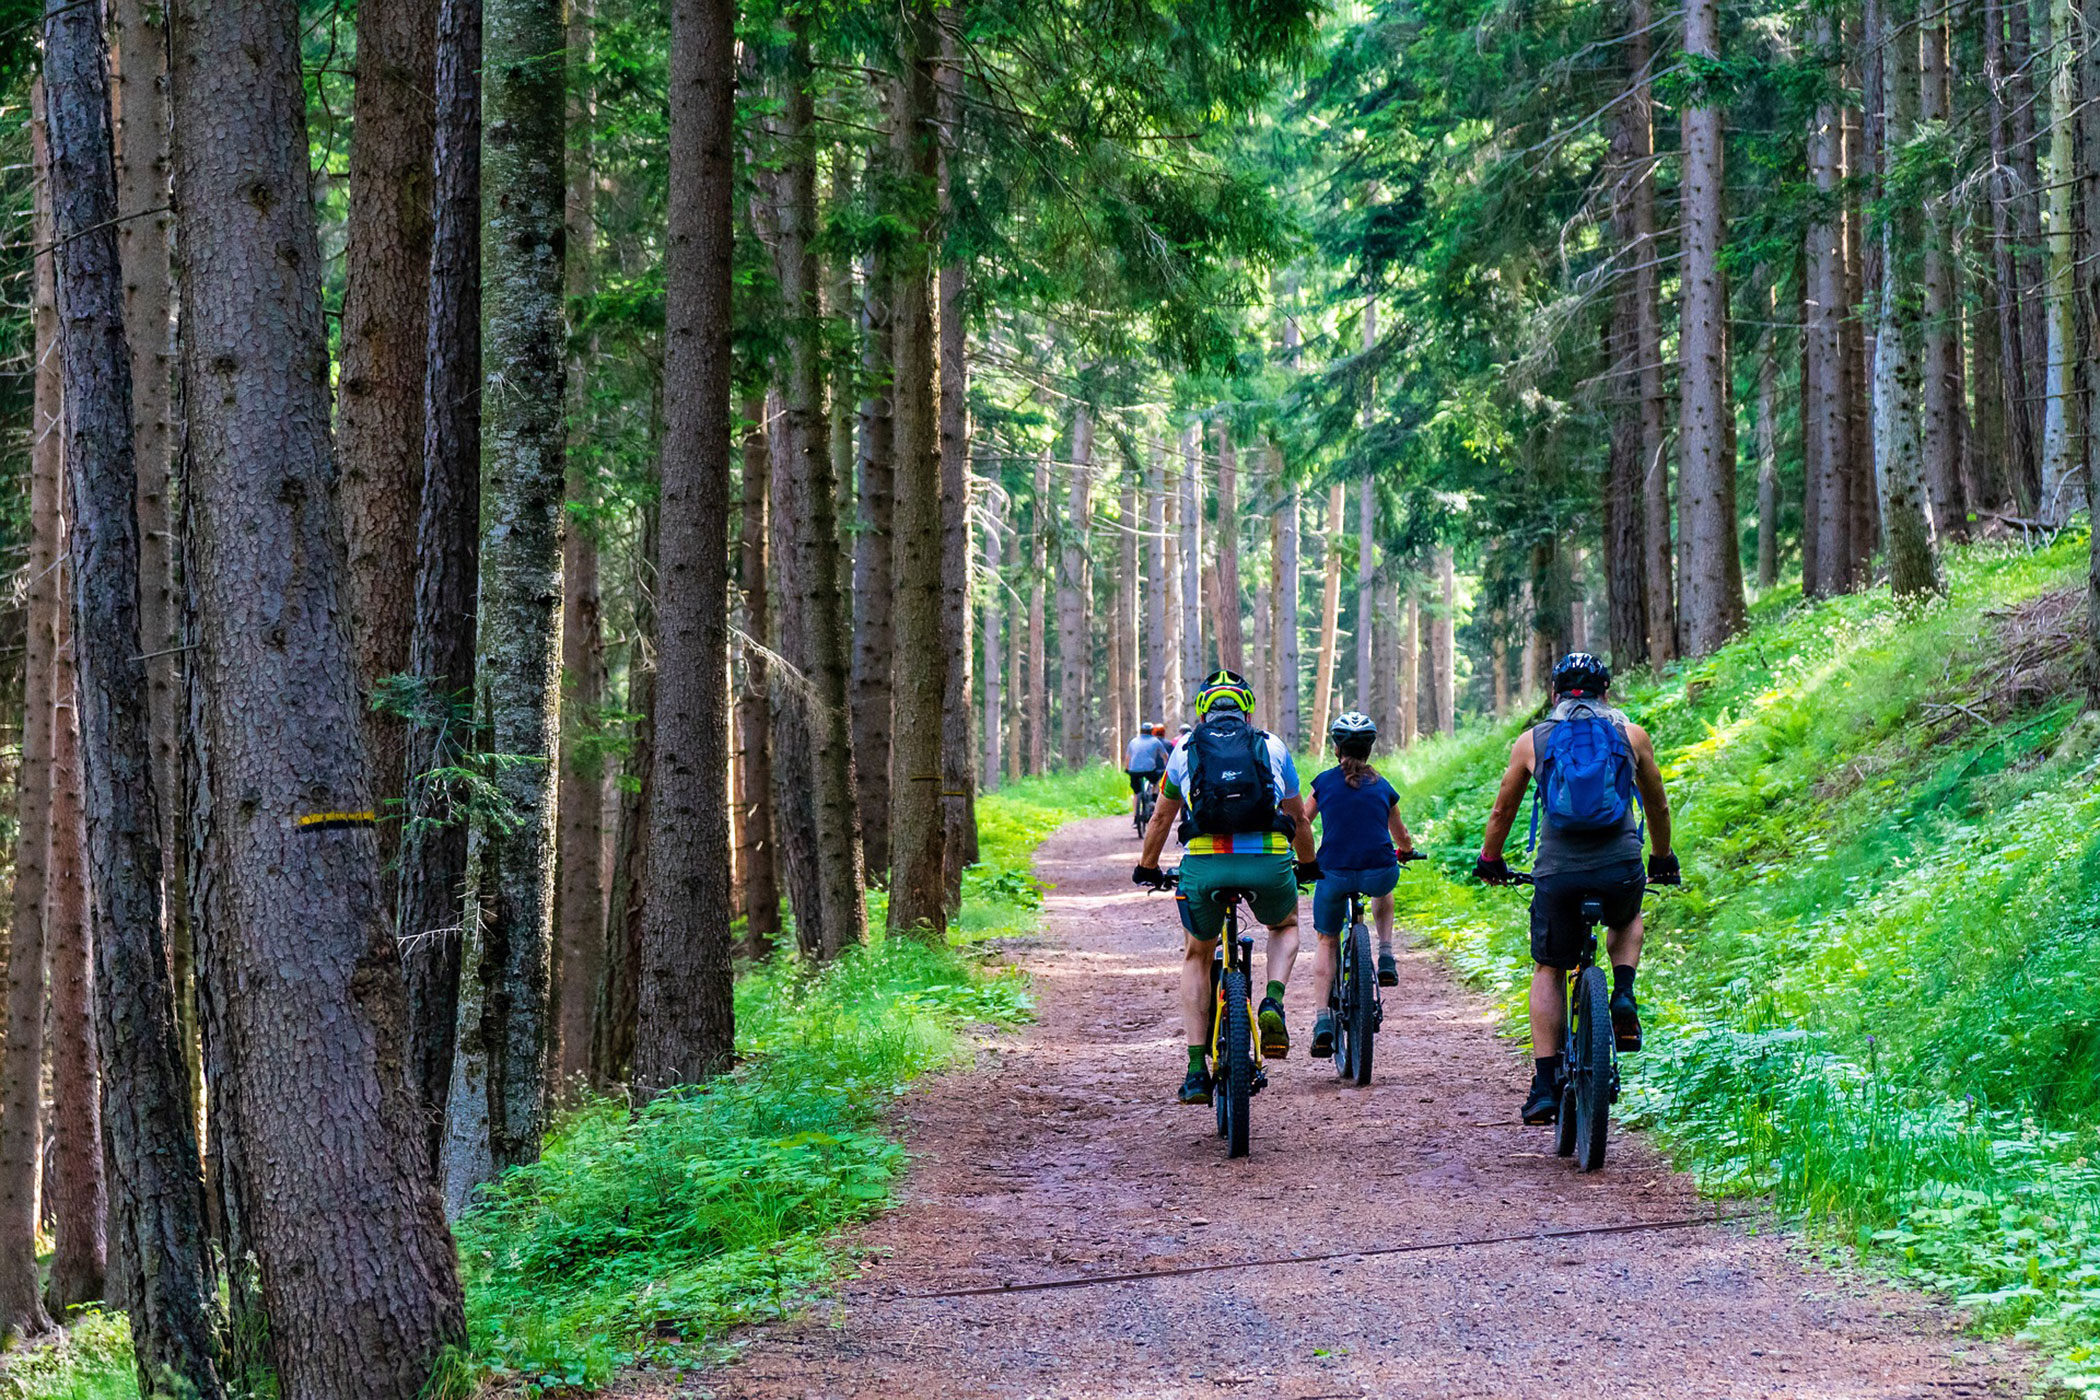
[1227, 687]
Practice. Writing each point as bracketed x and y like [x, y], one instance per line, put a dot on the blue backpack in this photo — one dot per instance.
[1585, 775]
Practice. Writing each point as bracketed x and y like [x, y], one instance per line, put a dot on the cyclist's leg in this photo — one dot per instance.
[1201, 922]
[1548, 1010]
[1624, 943]
[1557, 933]
[1196, 957]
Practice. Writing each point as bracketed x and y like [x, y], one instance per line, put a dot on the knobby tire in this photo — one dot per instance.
[1235, 1084]
[1592, 1085]
[1360, 1002]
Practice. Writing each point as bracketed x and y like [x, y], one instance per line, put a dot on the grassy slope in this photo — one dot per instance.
[641, 1238]
[1873, 998]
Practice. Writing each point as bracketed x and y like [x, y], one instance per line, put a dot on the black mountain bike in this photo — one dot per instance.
[1589, 1051]
[1147, 801]
[1235, 1051]
[1358, 1009]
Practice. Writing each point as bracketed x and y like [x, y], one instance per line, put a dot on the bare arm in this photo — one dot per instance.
[1397, 829]
[1647, 776]
[1509, 798]
[1301, 839]
[1162, 823]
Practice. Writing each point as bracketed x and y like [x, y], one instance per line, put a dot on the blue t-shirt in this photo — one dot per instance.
[1353, 832]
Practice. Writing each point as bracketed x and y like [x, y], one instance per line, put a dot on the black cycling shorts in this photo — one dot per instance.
[1141, 776]
[1557, 927]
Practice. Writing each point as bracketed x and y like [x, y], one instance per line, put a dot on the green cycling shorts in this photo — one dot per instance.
[1270, 875]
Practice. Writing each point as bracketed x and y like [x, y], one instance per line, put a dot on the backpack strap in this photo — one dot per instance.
[1538, 785]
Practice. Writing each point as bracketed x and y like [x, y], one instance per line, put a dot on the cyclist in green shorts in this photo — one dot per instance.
[1244, 822]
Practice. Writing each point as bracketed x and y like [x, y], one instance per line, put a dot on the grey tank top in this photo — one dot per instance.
[1580, 852]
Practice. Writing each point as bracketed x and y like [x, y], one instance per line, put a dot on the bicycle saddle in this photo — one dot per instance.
[1593, 911]
[1230, 897]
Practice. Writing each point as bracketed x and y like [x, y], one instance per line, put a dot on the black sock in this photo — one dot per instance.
[1546, 1067]
[1621, 980]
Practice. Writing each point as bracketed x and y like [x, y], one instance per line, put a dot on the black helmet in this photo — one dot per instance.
[1580, 673]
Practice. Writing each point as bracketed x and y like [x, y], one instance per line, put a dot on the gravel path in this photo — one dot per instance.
[1063, 1154]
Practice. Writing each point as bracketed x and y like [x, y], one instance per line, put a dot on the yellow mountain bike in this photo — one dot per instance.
[1235, 1051]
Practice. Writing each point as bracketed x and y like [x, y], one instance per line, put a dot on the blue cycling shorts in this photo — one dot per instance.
[1331, 895]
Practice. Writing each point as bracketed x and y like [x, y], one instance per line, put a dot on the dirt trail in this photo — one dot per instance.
[1063, 1154]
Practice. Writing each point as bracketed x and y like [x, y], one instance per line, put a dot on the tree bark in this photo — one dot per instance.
[1862, 138]
[687, 1030]
[754, 707]
[1443, 643]
[1330, 615]
[22, 1313]
[1768, 454]
[1712, 588]
[997, 756]
[618, 1014]
[497, 1105]
[1826, 422]
[918, 830]
[1036, 702]
[2061, 495]
[1191, 561]
[1913, 563]
[1410, 670]
[1157, 637]
[874, 550]
[1645, 258]
[824, 857]
[579, 802]
[1232, 647]
[2007, 198]
[1075, 652]
[386, 309]
[1289, 661]
[139, 35]
[1366, 593]
[1940, 436]
[958, 756]
[358, 1276]
[429, 891]
[1625, 501]
[79, 1205]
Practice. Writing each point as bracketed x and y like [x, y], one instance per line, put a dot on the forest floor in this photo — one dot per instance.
[1062, 1155]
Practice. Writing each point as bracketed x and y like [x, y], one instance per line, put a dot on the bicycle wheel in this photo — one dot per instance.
[1591, 1086]
[1217, 1050]
[1360, 1004]
[1235, 1080]
[1564, 1124]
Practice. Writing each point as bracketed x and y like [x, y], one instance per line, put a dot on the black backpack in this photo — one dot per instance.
[1231, 791]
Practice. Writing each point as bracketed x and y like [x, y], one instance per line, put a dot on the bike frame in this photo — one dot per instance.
[1234, 953]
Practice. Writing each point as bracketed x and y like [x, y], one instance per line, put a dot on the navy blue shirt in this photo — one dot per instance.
[1353, 832]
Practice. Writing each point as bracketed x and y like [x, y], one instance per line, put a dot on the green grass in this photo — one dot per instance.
[1874, 998]
[644, 1237]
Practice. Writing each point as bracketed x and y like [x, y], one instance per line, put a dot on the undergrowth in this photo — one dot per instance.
[641, 1238]
[1872, 999]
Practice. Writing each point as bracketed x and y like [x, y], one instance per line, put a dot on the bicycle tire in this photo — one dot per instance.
[1235, 1085]
[1360, 999]
[1217, 1058]
[1592, 1083]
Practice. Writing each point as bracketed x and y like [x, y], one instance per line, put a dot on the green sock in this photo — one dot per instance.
[1197, 1055]
[1276, 989]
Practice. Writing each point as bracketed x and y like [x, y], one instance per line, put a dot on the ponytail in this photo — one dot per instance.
[1354, 756]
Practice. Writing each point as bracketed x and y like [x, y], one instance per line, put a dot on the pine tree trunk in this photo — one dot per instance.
[1410, 670]
[379, 406]
[1387, 648]
[1990, 434]
[22, 1313]
[429, 891]
[1232, 647]
[1443, 643]
[1826, 421]
[79, 1204]
[2088, 278]
[618, 1014]
[874, 549]
[1074, 588]
[497, 1104]
[1037, 699]
[1366, 593]
[1191, 561]
[1768, 455]
[686, 1030]
[1625, 522]
[918, 828]
[1173, 696]
[358, 1276]
[1862, 531]
[2006, 196]
[1157, 638]
[997, 756]
[140, 105]
[958, 753]
[579, 805]
[1940, 397]
[1126, 626]
[1712, 588]
[2062, 492]
[754, 709]
[826, 878]
[1645, 258]
[1289, 661]
[1913, 565]
[1330, 615]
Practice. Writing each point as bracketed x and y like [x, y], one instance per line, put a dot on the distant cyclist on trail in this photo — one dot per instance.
[1589, 760]
[1245, 821]
[1145, 760]
[1362, 842]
